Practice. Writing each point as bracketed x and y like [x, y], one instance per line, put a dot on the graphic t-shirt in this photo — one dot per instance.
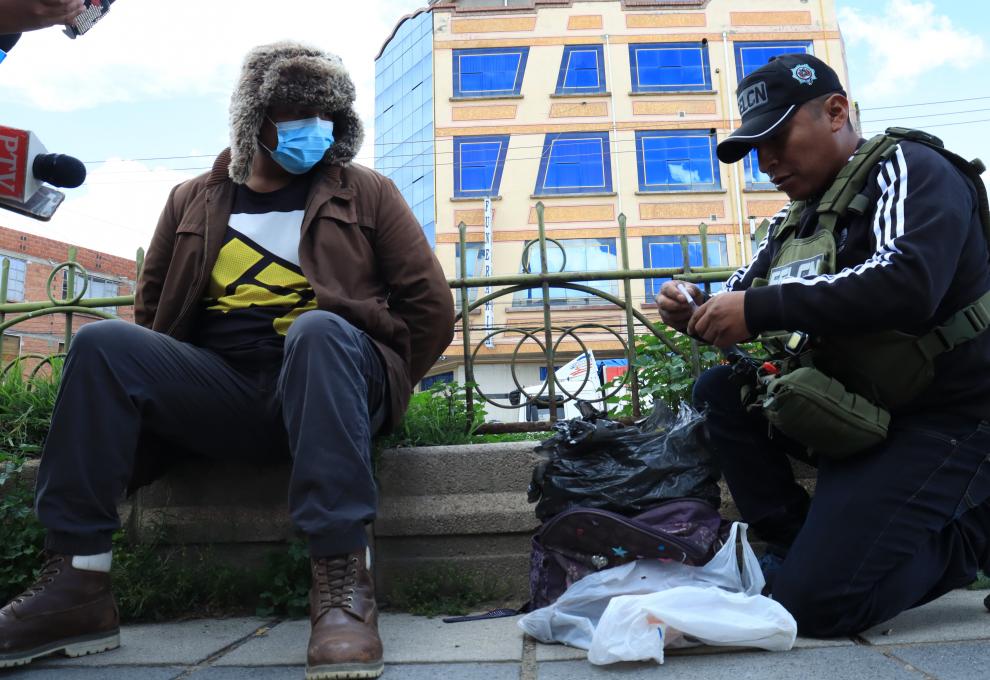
[257, 288]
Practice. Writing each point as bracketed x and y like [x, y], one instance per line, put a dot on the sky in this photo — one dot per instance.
[143, 97]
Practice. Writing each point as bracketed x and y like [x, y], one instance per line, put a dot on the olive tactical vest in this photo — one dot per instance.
[889, 368]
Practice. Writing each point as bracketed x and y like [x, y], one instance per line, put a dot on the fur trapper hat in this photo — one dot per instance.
[291, 73]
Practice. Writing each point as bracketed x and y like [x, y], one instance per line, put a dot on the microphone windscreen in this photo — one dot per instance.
[59, 170]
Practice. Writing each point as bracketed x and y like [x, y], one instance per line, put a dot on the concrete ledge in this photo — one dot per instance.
[453, 507]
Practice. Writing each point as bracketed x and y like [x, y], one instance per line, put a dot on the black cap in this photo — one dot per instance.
[771, 94]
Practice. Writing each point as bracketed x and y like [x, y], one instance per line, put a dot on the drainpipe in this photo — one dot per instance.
[737, 165]
[615, 128]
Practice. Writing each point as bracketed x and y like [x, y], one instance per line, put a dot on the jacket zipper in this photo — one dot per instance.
[192, 297]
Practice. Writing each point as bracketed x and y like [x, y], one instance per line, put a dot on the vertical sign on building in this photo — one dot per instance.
[487, 272]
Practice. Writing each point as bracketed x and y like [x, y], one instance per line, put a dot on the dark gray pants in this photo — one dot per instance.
[122, 382]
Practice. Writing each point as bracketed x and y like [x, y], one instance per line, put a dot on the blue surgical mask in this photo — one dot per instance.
[302, 143]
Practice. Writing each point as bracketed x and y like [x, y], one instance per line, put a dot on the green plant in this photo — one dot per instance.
[26, 408]
[664, 374]
[286, 578]
[435, 417]
[444, 590]
[21, 535]
[154, 581]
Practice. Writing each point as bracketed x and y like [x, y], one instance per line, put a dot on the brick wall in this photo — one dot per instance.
[42, 335]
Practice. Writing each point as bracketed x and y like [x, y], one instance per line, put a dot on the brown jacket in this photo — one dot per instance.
[360, 248]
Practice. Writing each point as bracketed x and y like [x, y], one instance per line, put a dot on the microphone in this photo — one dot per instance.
[59, 170]
[25, 165]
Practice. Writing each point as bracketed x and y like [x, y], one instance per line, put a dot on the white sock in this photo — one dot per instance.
[99, 562]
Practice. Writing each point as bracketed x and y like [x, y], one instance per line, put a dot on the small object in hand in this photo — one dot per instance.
[599, 561]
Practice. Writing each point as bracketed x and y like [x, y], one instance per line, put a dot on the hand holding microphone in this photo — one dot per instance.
[17, 16]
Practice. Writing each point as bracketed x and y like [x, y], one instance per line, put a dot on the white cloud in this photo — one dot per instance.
[151, 50]
[116, 211]
[908, 40]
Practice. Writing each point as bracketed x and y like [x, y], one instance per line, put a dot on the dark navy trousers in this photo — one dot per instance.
[887, 530]
[122, 381]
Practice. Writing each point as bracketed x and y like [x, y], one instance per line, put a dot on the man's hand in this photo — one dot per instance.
[17, 16]
[721, 321]
[675, 310]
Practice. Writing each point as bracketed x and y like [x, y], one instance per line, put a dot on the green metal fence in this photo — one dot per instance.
[553, 335]
[72, 304]
[547, 337]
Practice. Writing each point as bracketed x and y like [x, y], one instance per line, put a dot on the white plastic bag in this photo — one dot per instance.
[639, 627]
[574, 617]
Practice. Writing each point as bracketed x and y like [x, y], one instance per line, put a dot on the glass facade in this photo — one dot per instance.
[404, 147]
[749, 57]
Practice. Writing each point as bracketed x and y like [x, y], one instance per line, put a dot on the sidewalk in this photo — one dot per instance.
[945, 640]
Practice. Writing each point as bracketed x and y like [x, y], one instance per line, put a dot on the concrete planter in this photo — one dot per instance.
[452, 507]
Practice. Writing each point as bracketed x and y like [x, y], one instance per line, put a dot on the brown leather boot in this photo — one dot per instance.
[67, 610]
[344, 642]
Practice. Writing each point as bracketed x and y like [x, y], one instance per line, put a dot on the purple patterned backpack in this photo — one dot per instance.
[579, 541]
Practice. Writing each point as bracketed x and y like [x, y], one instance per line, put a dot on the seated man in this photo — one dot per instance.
[288, 304]
[907, 518]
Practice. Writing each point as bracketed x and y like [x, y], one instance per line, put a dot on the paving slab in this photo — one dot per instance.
[471, 671]
[43, 672]
[407, 639]
[565, 653]
[807, 664]
[183, 643]
[949, 661]
[957, 615]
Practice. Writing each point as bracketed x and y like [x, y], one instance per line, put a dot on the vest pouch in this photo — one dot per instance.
[819, 412]
[886, 367]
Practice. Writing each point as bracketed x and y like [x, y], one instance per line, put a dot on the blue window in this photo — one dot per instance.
[575, 163]
[478, 163]
[660, 252]
[489, 72]
[579, 255]
[430, 381]
[582, 69]
[681, 160]
[749, 57]
[670, 67]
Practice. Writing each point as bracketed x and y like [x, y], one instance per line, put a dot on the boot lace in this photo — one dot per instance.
[336, 581]
[49, 570]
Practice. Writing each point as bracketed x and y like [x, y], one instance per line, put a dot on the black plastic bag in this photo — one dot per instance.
[598, 463]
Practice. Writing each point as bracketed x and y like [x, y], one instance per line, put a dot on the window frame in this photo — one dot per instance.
[460, 93]
[750, 161]
[569, 50]
[641, 168]
[459, 142]
[546, 156]
[11, 278]
[477, 247]
[651, 286]
[702, 46]
[533, 297]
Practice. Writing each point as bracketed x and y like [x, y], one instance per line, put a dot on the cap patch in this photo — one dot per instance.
[752, 97]
[804, 74]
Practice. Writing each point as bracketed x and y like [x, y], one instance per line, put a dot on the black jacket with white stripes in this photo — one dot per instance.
[918, 256]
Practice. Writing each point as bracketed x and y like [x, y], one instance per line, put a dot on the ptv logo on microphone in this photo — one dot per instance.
[13, 153]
